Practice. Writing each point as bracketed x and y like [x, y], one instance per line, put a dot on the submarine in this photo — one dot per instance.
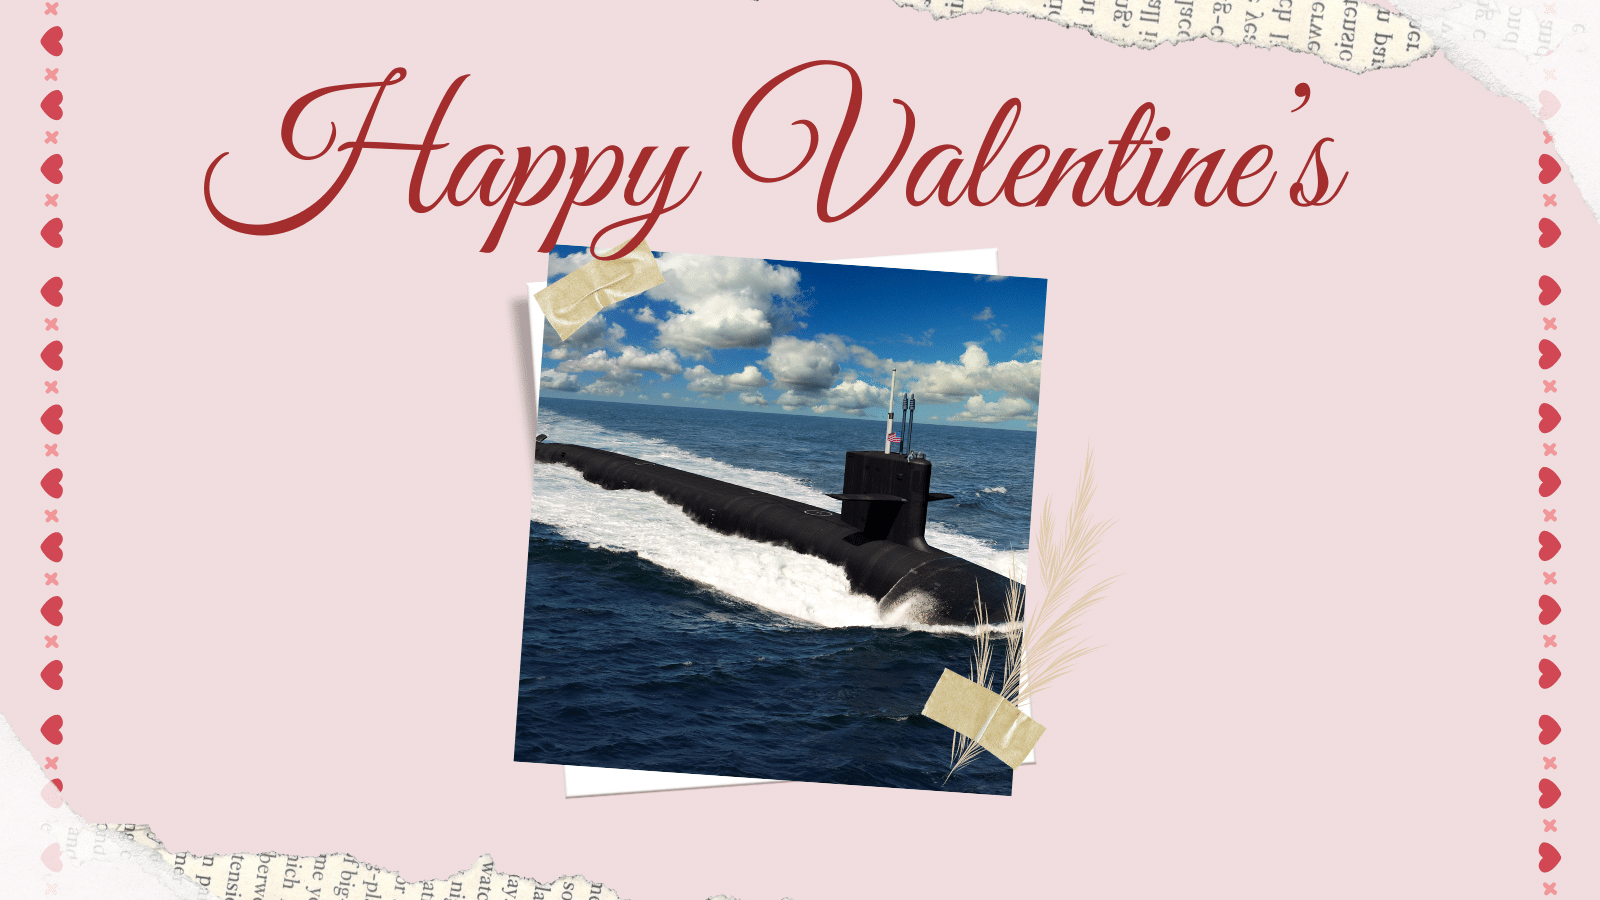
[876, 536]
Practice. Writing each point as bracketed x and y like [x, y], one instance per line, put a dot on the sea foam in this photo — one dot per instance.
[776, 578]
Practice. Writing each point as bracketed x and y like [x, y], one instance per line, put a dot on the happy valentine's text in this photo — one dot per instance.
[593, 176]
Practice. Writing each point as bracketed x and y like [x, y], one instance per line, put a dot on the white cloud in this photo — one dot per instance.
[561, 265]
[629, 362]
[853, 396]
[604, 388]
[704, 381]
[592, 335]
[558, 381]
[749, 377]
[1003, 410]
[986, 315]
[724, 303]
[666, 395]
[752, 398]
[999, 334]
[942, 382]
[792, 401]
[803, 365]
[1036, 349]
[806, 366]
[646, 314]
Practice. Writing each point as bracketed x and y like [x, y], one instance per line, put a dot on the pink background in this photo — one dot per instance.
[297, 468]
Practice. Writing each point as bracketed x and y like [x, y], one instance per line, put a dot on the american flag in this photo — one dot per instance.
[894, 437]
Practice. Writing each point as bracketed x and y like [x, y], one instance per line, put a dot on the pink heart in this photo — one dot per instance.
[52, 169]
[1548, 546]
[51, 482]
[1548, 418]
[51, 354]
[51, 610]
[1549, 674]
[1548, 233]
[1548, 105]
[51, 232]
[1548, 168]
[51, 729]
[1549, 481]
[52, 419]
[52, 675]
[1549, 729]
[51, 292]
[51, 42]
[1548, 857]
[51, 104]
[52, 547]
[1549, 353]
[1549, 290]
[51, 857]
[1548, 609]
[51, 794]
[1548, 793]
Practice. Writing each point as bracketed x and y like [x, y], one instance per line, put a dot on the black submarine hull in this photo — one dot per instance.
[876, 538]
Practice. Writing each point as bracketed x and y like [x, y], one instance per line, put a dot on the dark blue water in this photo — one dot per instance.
[651, 643]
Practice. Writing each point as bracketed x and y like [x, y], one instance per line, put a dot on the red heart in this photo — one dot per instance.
[51, 482]
[1548, 290]
[52, 547]
[51, 729]
[1548, 858]
[1549, 481]
[51, 104]
[1548, 673]
[1549, 354]
[1548, 793]
[51, 232]
[52, 419]
[59, 786]
[52, 169]
[1548, 609]
[1548, 168]
[1548, 546]
[51, 292]
[1548, 233]
[1548, 418]
[52, 857]
[52, 793]
[52, 41]
[52, 675]
[51, 354]
[1549, 729]
[51, 610]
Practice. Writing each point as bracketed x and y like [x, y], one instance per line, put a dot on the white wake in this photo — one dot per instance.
[776, 578]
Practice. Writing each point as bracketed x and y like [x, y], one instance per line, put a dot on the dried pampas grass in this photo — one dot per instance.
[1045, 647]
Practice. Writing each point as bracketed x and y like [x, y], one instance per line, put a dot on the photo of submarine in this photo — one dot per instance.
[876, 536]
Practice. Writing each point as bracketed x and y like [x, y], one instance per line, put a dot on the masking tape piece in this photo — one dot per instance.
[984, 716]
[600, 283]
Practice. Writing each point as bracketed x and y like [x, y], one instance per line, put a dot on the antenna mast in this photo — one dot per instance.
[888, 428]
[911, 420]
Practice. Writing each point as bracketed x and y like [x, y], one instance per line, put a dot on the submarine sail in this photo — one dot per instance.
[877, 535]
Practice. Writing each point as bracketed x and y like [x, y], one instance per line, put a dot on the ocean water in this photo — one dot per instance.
[650, 642]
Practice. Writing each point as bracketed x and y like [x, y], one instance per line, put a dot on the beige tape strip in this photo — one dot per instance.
[984, 716]
[575, 299]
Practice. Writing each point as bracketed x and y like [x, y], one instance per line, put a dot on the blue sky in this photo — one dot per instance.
[809, 339]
